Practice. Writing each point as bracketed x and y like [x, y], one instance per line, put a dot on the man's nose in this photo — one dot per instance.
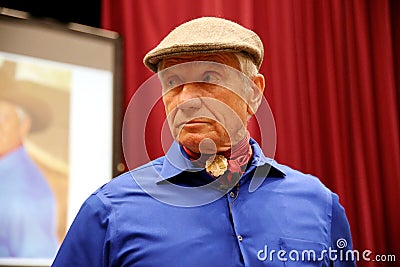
[189, 97]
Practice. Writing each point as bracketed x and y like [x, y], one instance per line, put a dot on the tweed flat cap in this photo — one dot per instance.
[206, 35]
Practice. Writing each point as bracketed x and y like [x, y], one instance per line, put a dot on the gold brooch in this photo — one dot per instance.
[216, 166]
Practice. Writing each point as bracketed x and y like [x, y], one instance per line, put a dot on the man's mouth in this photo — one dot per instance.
[193, 123]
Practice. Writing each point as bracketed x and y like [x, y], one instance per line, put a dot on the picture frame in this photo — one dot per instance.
[66, 81]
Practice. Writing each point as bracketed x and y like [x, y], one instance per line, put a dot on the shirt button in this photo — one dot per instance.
[232, 195]
[240, 238]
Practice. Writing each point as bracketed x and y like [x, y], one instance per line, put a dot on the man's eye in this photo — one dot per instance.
[172, 82]
[210, 77]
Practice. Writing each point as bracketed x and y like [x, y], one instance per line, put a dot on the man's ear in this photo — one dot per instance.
[25, 126]
[256, 93]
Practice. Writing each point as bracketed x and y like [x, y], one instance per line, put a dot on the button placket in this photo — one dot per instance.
[233, 194]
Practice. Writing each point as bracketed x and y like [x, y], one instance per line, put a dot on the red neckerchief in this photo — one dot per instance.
[237, 157]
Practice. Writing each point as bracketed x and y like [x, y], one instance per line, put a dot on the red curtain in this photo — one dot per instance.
[331, 68]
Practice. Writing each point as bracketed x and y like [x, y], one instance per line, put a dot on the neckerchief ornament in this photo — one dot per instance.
[230, 165]
[217, 166]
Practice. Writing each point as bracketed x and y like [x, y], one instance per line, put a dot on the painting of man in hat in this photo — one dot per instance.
[28, 219]
[29, 210]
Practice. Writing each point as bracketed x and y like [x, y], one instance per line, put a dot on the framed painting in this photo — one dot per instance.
[60, 129]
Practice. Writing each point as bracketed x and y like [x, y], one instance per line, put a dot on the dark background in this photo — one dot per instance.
[86, 12]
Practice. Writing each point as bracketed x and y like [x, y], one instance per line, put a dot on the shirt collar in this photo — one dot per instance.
[12, 159]
[177, 161]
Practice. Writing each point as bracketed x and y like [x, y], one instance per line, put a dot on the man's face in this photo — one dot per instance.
[10, 130]
[205, 99]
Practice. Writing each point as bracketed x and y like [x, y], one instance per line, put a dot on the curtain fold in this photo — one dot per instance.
[331, 70]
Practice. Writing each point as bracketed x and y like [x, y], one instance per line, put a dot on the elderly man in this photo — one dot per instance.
[196, 206]
[27, 213]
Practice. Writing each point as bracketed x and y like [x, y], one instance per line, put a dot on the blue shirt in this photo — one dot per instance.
[142, 218]
[27, 209]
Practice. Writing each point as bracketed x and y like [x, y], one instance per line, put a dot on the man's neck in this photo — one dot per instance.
[234, 150]
[10, 150]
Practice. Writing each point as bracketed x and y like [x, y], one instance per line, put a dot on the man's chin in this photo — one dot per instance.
[198, 143]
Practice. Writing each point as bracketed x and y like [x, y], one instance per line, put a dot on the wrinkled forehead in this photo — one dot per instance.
[6, 108]
[228, 59]
[222, 70]
[8, 111]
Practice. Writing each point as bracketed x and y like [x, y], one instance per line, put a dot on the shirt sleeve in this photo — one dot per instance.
[86, 242]
[33, 230]
[341, 237]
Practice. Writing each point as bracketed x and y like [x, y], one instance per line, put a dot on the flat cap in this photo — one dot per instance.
[206, 35]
